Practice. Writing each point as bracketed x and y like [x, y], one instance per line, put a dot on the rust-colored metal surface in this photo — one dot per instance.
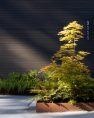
[63, 107]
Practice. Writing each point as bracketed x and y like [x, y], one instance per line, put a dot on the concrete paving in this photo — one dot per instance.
[20, 107]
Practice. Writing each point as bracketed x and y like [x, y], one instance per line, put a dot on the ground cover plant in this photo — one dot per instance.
[18, 84]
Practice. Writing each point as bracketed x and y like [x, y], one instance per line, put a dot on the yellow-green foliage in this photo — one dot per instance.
[71, 32]
[69, 75]
[69, 59]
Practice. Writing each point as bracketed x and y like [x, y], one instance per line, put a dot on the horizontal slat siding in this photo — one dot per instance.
[28, 31]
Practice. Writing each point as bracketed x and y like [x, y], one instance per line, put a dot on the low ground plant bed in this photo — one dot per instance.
[18, 83]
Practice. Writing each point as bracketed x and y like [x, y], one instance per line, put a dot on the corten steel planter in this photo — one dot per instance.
[63, 107]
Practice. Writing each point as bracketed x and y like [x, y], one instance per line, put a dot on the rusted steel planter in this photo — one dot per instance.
[63, 107]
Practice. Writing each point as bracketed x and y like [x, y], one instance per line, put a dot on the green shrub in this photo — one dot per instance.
[67, 77]
[18, 83]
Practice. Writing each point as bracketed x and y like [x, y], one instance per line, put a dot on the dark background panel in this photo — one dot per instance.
[28, 31]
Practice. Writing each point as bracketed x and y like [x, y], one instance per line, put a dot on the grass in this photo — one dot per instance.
[18, 84]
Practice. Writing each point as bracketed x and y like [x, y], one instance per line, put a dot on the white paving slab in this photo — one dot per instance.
[17, 107]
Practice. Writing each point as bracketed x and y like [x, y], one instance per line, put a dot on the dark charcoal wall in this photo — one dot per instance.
[28, 31]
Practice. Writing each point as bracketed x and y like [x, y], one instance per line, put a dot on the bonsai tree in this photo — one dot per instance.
[67, 77]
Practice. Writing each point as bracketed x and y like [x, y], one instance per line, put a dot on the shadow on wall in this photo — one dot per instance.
[28, 31]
